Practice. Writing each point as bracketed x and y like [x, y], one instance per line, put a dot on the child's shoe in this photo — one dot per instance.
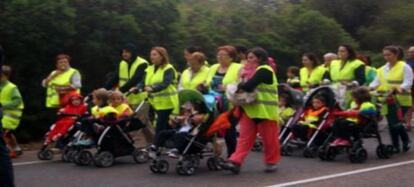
[340, 142]
[173, 153]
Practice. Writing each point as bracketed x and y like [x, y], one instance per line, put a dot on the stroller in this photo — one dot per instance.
[45, 153]
[356, 152]
[310, 148]
[197, 144]
[112, 141]
[295, 99]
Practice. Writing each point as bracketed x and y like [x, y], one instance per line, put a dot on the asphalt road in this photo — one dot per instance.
[293, 171]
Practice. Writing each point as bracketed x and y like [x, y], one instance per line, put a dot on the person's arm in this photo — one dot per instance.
[261, 76]
[138, 77]
[16, 100]
[359, 74]
[76, 81]
[168, 79]
[408, 78]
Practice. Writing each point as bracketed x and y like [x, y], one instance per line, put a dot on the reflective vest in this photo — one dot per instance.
[266, 104]
[191, 81]
[64, 79]
[312, 78]
[394, 79]
[285, 114]
[311, 116]
[126, 72]
[231, 75]
[123, 109]
[100, 112]
[345, 73]
[164, 99]
[11, 116]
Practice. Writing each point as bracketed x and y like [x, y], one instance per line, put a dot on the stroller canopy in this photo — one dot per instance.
[326, 92]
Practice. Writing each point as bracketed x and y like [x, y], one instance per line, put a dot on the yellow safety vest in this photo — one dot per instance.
[126, 72]
[64, 79]
[394, 79]
[122, 108]
[266, 104]
[231, 75]
[191, 81]
[11, 117]
[167, 98]
[100, 112]
[345, 73]
[312, 78]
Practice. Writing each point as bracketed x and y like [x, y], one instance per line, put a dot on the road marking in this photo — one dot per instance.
[31, 162]
[343, 174]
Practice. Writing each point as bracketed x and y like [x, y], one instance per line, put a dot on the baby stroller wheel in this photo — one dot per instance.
[104, 159]
[159, 166]
[360, 155]
[310, 152]
[330, 153]
[322, 152]
[84, 158]
[45, 155]
[140, 156]
[72, 155]
[286, 150]
[185, 167]
[258, 146]
[65, 155]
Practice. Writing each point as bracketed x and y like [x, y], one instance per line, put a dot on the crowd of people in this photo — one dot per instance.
[249, 71]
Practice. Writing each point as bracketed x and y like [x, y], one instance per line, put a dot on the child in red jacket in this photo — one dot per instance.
[68, 116]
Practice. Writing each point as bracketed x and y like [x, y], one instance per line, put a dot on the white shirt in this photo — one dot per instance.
[407, 81]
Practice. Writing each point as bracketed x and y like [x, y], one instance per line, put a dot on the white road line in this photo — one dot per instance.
[30, 163]
[343, 174]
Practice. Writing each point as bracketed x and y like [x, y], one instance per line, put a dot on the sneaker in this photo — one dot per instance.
[231, 166]
[396, 149]
[340, 142]
[152, 152]
[270, 168]
[173, 153]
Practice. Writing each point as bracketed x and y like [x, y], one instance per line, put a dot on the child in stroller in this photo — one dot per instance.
[311, 129]
[59, 132]
[189, 137]
[108, 131]
[360, 121]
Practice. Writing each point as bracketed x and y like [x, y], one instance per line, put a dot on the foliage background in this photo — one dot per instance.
[32, 32]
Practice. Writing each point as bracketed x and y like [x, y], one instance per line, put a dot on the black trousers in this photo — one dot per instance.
[345, 129]
[6, 168]
[231, 136]
[396, 126]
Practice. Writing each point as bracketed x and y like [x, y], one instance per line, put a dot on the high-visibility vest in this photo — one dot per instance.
[64, 79]
[394, 79]
[311, 116]
[231, 75]
[166, 98]
[312, 78]
[126, 72]
[345, 73]
[191, 81]
[122, 108]
[100, 112]
[11, 117]
[266, 104]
